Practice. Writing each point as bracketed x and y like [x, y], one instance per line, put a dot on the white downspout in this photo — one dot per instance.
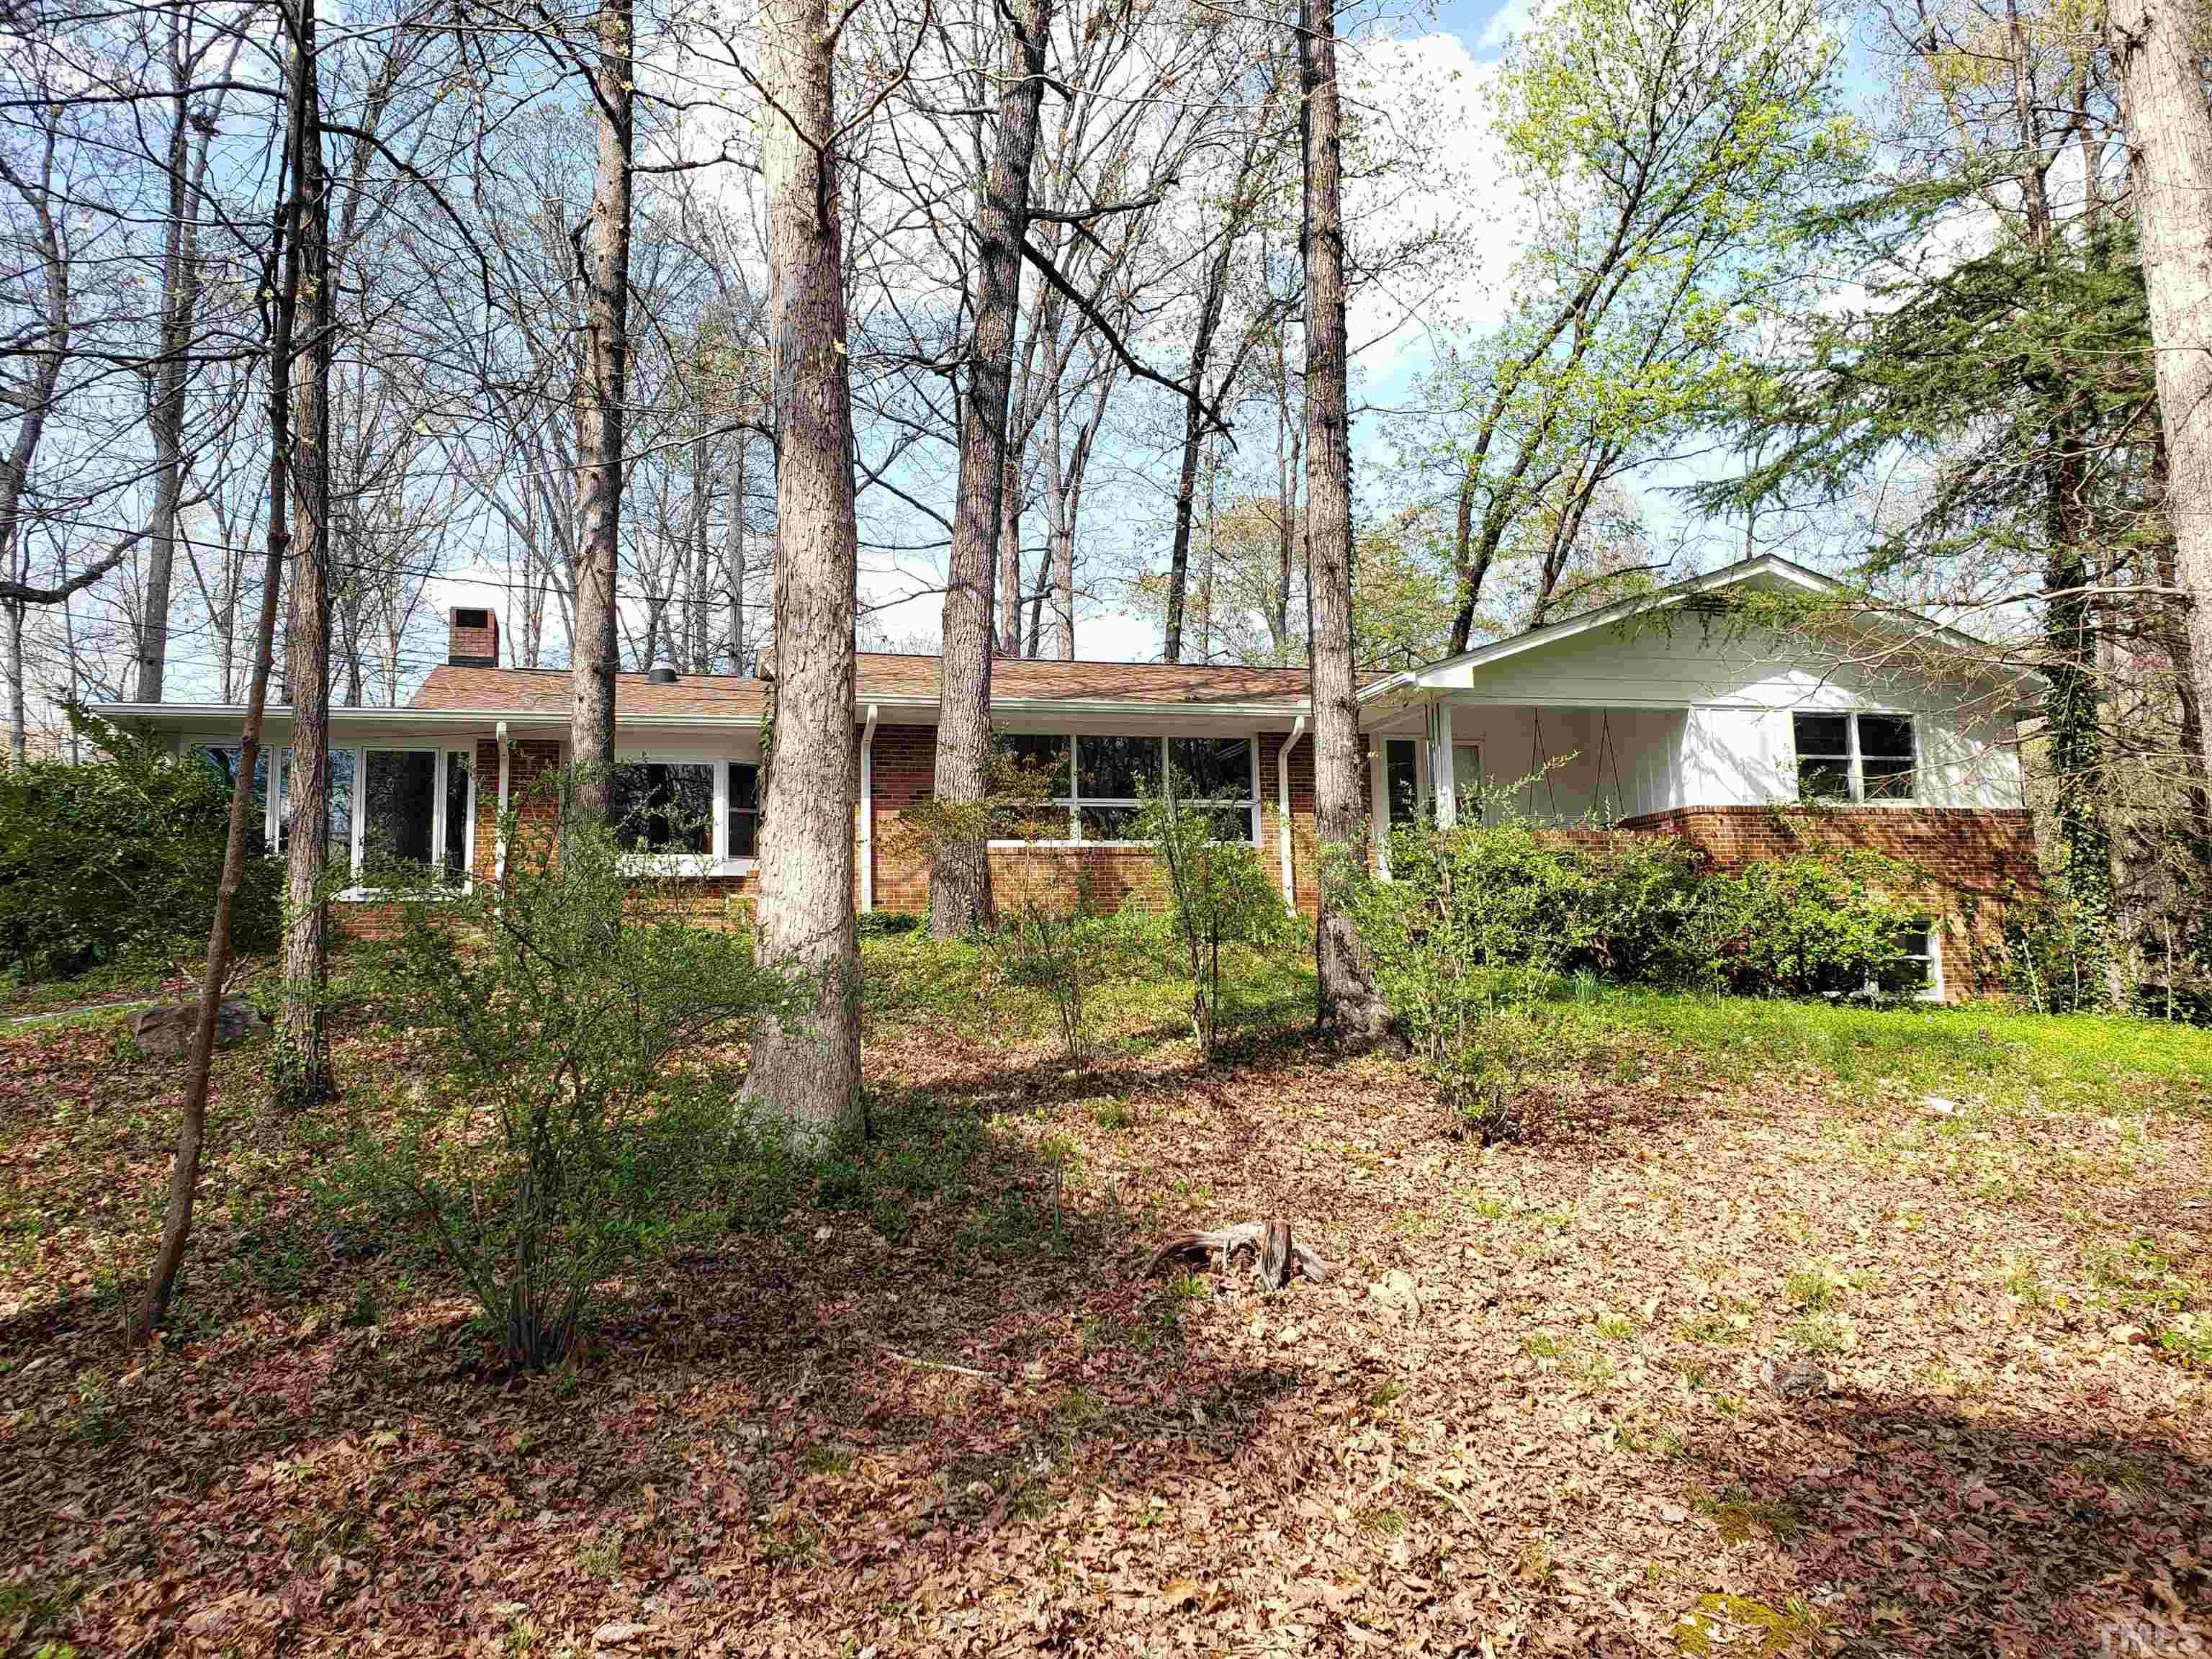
[1282, 809]
[868, 812]
[499, 858]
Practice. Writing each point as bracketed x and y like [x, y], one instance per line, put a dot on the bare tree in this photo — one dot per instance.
[1348, 1012]
[960, 868]
[808, 1070]
[299, 1070]
[192, 1123]
[601, 402]
[2160, 48]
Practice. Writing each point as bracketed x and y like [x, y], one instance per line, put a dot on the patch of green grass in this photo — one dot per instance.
[599, 1556]
[1113, 1114]
[1824, 1333]
[1614, 1327]
[1722, 1623]
[2075, 1061]
[1811, 1289]
[1385, 1393]
[823, 1458]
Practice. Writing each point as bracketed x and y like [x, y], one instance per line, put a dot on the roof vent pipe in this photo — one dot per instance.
[662, 675]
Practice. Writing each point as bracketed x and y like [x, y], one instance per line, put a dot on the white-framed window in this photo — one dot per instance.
[1923, 943]
[741, 791]
[1103, 778]
[226, 757]
[1466, 781]
[414, 803]
[339, 795]
[687, 811]
[1401, 780]
[1855, 757]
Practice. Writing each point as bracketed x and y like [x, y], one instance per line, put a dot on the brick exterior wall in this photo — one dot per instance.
[1966, 863]
[1969, 863]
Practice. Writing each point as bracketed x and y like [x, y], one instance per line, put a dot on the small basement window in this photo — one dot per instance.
[1853, 757]
[1920, 953]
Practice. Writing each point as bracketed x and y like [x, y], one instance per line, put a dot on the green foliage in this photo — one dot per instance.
[1473, 937]
[1050, 942]
[1220, 897]
[117, 859]
[1805, 927]
[560, 1137]
[1666, 150]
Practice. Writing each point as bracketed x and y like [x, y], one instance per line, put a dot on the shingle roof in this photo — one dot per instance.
[882, 676]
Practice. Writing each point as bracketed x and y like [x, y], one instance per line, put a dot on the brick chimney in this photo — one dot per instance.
[473, 639]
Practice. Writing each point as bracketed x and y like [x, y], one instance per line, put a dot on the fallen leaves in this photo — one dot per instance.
[1562, 1397]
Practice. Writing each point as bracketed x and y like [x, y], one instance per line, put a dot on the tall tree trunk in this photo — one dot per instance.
[1060, 525]
[19, 735]
[960, 867]
[808, 1070]
[192, 1123]
[1009, 600]
[734, 536]
[1286, 506]
[1348, 1012]
[181, 294]
[2160, 48]
[300, 1067]
[601, 407]
[2171, 628]
[699, 635]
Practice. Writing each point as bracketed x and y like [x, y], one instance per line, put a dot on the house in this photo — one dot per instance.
[1709, 710]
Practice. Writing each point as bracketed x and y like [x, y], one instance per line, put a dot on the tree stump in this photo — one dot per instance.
[1277, 1257]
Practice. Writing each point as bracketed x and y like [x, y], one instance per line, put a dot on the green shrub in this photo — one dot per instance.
[1481, 925]
[1219, 894]
[561, 1136]
[117, 858]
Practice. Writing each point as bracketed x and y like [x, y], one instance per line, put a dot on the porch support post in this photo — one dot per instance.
[1442, 787]
[1283, 811]
[867, 837]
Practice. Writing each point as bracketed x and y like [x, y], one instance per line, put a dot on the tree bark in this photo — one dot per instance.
[1009, 600]
[1348, 1012]
[960, 867]
[735, 539]
[192, 1124]
[180, 293]
[601, 406]
[2159, 46]
[300, 1067]
[808, 1070]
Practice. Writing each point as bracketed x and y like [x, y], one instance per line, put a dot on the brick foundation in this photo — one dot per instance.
[1966, 863]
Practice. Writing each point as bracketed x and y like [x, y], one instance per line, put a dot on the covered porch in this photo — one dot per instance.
[1557, 764]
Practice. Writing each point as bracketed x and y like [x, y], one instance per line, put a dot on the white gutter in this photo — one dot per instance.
[868, 812]
[1282, 809]
[218, 715]
[499, 860]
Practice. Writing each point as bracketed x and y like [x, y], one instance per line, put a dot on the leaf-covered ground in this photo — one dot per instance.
[1744, 1348]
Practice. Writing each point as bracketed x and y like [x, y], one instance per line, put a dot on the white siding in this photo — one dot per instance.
[1700, 716]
